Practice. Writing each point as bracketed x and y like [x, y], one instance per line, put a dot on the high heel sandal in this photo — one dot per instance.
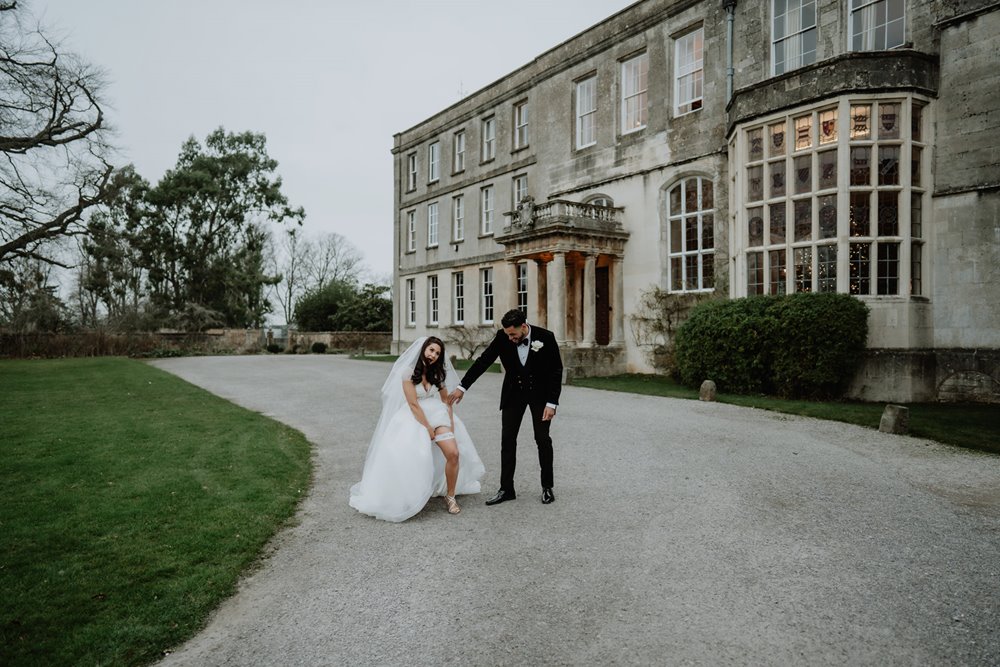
[453, 507]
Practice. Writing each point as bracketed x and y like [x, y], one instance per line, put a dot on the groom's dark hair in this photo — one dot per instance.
[513, 318]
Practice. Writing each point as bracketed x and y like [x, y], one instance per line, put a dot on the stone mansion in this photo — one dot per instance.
[692, 148]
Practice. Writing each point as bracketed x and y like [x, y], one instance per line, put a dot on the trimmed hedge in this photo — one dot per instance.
[799, 345]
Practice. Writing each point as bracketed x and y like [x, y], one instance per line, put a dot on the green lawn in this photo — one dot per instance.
[966, 425]
[131, 503]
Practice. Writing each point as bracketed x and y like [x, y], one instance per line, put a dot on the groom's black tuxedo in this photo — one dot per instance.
[532, 385]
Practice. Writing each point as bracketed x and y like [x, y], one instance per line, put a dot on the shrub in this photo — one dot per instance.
[319, 348]
[274, 348]
[800, 345]
[819, 345]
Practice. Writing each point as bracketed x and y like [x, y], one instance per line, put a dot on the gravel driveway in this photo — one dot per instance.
[683, 533]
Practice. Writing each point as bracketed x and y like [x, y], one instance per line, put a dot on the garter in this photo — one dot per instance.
[444, 436]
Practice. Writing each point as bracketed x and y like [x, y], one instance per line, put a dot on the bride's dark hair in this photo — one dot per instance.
[435, 372]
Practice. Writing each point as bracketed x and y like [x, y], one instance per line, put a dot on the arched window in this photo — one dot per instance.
[691, 235]
[600, 200]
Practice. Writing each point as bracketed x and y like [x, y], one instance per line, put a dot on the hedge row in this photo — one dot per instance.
[799, 345]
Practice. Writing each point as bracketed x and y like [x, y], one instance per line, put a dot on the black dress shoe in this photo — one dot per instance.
[501, 496]
[547, 496]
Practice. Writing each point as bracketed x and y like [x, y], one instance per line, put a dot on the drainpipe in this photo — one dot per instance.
[730, 7]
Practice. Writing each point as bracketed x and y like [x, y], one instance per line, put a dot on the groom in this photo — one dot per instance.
[532, 379]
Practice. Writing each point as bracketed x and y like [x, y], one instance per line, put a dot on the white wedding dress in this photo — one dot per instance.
[404, 468]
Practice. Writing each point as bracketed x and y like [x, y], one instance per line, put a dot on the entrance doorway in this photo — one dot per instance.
[603, 312]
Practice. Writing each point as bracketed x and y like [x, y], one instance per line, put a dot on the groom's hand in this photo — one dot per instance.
[548, 414]
[455, 397]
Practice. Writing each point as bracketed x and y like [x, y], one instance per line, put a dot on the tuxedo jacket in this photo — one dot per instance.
[540, 376]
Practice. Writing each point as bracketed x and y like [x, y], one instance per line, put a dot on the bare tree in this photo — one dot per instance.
[335, 259]
[290, 260]
[53, 140]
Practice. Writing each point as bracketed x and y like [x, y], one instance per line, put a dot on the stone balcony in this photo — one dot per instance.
[558, 225]
[559, 217]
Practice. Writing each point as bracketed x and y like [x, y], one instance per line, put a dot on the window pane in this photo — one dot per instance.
[707, 232]
[803, 174]
[859, 263]
[861, 121]
[707, 271]
[860, 214]
[827, 169]
[777, 178]
[915, 153]
[828, 217]
[691, 195]
[777, 139]
[691, 272]
[755, 183]
[826, 268]
[676, 274]
[916, 122]
[755, 226]
[755, 273]
[888, 213]
[755, 144]
[861, 165]
[828, 126]
[675, 200]
[776, 282]
[676, 232]
[803, 132]
[888, 268]
[707, 196]
[691, 233]
[803, 269]
[777, 212]
[916, 269]
[916, 216]
[888, 121]
[888, 165]
[803, 220]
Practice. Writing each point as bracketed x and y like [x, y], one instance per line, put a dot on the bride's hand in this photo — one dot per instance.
[430, 432]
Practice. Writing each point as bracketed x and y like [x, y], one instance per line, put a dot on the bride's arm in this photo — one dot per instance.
[410, 392]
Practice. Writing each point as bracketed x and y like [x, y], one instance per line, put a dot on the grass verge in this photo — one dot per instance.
[973, 426]
[132, 502]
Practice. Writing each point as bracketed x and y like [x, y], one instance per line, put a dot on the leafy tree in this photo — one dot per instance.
[28, 298]
[203, 240]
[318, 308]
[111, 276]
[53, 141]
[369, 309]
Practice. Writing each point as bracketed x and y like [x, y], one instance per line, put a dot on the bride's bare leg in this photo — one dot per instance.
[450, 450]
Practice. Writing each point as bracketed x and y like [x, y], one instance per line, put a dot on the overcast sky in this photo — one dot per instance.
[328, 81]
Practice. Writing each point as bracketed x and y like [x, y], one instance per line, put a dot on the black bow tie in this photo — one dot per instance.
[524, 341]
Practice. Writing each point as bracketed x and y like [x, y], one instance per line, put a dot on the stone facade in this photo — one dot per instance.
[601, 171]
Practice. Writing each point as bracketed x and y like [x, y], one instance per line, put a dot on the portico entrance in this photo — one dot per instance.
[574, 254]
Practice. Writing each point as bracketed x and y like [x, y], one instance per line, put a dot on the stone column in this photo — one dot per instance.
[542, 294]
[589, 301]
[509, 294]
[534, 302]
[618, 301]
[556, 284]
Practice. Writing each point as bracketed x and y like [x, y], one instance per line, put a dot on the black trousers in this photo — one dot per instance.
[510, 419]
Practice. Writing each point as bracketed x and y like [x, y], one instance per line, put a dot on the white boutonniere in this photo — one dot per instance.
[536, 345]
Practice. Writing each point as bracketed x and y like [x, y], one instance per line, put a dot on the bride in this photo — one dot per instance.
[403, 468]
